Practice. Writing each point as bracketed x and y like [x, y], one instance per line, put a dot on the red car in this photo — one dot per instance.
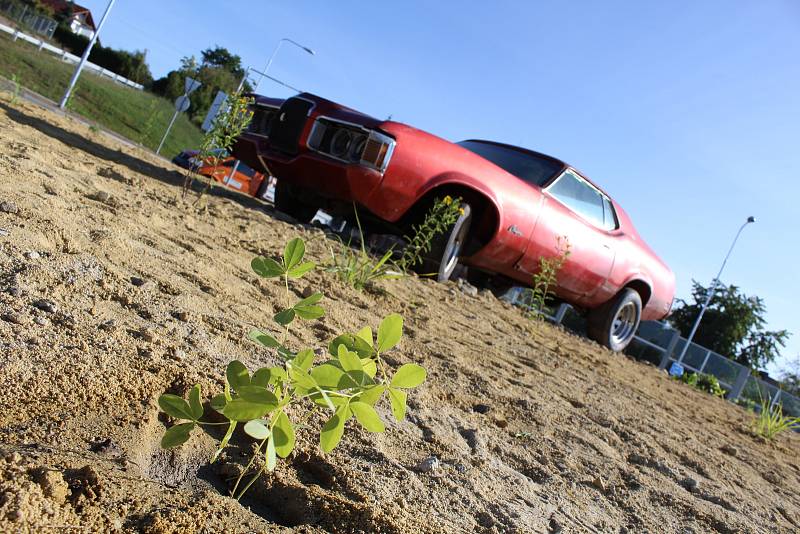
[520, 205]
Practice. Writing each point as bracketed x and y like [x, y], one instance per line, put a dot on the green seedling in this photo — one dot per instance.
[357, 268]
[274, 403]
[16, 89]
[770, 421]
[229, 124]
[443, 214]
[545, 280]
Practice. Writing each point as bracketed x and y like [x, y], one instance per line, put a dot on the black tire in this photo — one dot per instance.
[442, 258]
[287, 201]
[614, 324]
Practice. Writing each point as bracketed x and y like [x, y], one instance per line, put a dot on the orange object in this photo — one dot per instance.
[244, 178]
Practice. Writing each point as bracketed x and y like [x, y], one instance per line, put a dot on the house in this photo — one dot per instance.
[78, 18]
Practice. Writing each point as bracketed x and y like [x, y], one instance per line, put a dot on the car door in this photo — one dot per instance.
[576, 216]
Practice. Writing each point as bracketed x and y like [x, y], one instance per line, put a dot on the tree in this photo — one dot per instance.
[733, 325]
[219, 70]
[222, 57]
[790, 376]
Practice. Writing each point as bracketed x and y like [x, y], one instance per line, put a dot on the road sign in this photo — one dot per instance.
[190, 84]
[213, 111]
[182, 103]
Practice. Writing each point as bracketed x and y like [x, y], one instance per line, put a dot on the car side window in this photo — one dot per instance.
[580, 197]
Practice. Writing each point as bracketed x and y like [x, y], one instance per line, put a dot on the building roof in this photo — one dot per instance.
[62, 7]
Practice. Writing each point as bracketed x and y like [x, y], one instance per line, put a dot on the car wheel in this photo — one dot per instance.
[287, 202]
[446, 248]
[614, 323]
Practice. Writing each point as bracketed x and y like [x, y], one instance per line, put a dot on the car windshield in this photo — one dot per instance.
[533, 169]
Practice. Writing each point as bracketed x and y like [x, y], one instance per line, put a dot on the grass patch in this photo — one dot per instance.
[140, 116]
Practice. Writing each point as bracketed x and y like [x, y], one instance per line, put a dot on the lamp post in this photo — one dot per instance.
[85, 57]
[712, 290]
[274, 52]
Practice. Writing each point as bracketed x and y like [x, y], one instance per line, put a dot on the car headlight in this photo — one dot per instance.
[351, 143]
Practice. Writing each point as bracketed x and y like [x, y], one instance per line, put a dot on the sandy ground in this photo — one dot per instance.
[113, 291]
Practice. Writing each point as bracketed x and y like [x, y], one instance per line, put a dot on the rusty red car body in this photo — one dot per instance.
[514, 222]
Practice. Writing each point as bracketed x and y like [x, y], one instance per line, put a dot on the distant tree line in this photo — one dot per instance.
[218, 69]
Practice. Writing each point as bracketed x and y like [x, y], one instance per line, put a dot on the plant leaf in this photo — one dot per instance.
[409, 375]
[328, 375]
[349, 360]
[304, 359]
[333, 429]
[301, 378]
[398, 398]
[293, 253]
[389, 332]
[283, 434]
[175, 406]
[242, 410]
[366, 335]
[309, 312]
[370, 367]
[194, 402]
[261, 377]
[367, 416]
[176, 435]
[263, 338]
[237, 375]
[258, 395]
[284, 317]
[224, 442]
[256, 429]
[352, 342]
[218, 402]
[300, 270]
[371, 395]
[311, 299]
[269, 454]
[266, 267]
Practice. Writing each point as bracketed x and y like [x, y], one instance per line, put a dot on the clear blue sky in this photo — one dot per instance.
[687, 112]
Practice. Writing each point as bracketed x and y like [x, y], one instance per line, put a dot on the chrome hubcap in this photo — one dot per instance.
[453, 248]
[624, 324]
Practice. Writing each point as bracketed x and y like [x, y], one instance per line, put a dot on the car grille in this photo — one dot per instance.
[262, 117]
[287, 125]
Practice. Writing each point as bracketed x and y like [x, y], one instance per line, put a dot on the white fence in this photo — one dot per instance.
[69, 58]
[659, 343]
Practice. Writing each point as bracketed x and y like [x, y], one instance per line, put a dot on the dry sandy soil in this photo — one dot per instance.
[113, 290]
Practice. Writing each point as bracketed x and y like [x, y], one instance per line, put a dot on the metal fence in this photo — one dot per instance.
[25, 16]
[661, 344]
[69, 58]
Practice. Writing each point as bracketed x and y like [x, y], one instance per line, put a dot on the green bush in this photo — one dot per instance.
[704, 382]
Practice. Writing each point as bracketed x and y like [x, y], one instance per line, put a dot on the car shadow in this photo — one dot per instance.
[171, 177]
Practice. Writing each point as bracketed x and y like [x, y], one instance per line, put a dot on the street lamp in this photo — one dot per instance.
[85, 57]
[274, 52]
[712, 290]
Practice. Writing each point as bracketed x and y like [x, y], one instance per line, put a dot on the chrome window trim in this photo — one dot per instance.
[580, 178]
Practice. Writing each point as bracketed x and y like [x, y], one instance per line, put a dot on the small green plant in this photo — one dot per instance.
[275, 402]
[357, 268]
[770, 421]
[94, 129]
[544, 281]
[442, 215]
[16, 90]
[153, 116]
[218, 141]
[704, 382]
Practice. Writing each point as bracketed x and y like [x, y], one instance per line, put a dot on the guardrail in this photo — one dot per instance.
[68, 57]
[658, 342]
